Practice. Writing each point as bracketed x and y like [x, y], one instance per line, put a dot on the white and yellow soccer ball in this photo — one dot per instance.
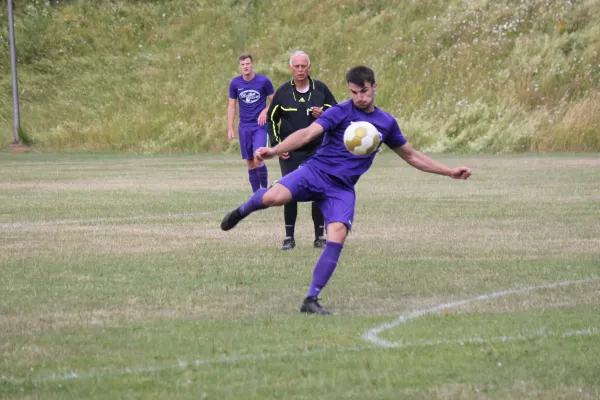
[361, 138]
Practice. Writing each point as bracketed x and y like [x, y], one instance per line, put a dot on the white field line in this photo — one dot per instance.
[107, 372]
[370, 335]
[29, 224]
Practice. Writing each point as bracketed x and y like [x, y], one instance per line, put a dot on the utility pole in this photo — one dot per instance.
[13, 67]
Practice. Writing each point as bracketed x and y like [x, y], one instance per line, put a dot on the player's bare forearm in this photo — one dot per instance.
[299, 138]
[292, 142]
[421, 161]
[231, 106]
[230, 116]
[426, 164]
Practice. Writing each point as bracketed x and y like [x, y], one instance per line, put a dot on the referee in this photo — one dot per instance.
[296, 105]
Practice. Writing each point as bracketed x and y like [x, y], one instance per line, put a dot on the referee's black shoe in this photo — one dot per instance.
[231, 219]
[288, 243]
[319, 242]
[312, 306]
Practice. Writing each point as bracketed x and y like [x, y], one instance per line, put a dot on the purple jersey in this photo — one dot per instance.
[251, 96]
[334, 158]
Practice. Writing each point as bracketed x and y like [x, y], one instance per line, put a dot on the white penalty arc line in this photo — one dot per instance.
[371, 335]
[234, 359]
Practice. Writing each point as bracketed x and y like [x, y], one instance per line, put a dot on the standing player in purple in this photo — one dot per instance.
[251, 91]
[329, 176]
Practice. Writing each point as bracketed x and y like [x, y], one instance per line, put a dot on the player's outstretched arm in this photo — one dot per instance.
[292, 142]
[426, 164]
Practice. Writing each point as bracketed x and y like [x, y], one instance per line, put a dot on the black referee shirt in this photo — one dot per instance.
[291, 110]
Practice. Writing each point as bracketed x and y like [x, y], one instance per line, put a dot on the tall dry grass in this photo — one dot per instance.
[152, 77]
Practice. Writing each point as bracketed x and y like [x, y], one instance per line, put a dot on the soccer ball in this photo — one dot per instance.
[361, 138]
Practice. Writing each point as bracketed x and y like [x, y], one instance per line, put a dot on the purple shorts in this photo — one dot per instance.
[335, 199]
[252, 137]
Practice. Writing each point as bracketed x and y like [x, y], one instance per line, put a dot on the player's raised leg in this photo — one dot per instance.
[263, 198]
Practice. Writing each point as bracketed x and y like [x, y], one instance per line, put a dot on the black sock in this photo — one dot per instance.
[318, 220]
[290, 212]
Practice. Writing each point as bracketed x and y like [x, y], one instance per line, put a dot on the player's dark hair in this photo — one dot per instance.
[360, 76]
[243, 56]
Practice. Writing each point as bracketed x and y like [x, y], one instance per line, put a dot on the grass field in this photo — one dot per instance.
[118, 283]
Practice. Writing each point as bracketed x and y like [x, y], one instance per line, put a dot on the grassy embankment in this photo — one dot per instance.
[151, 77]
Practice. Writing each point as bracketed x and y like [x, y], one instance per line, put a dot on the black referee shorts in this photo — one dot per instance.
[292, 163]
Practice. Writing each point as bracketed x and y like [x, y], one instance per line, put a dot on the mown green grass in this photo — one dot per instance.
[114, 268]
[152, 77]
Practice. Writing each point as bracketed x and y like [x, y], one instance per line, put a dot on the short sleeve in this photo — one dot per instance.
[395, 138]
[269, 87]
[232, 91]
[331, 118]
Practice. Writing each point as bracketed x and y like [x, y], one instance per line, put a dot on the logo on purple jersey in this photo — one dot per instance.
[249, 96]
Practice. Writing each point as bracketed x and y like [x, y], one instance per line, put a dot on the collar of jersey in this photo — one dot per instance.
[312, 82]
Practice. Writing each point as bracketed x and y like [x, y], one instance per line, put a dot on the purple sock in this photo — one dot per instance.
[254, 179]
[263, 176]
[254, 203]
[324, 268]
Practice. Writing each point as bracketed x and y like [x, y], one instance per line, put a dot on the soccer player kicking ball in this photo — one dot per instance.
[329, 176]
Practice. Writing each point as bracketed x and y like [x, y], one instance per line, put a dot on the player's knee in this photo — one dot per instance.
[277, 196]
[268, 199]
[271, 198]
[337, 232]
